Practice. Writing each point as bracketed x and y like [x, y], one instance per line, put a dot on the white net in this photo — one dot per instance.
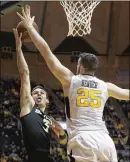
[79, 14]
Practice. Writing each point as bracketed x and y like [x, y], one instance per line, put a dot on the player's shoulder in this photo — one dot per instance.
[75, 77]
[101, 83]
[110, 85]
[99, 80]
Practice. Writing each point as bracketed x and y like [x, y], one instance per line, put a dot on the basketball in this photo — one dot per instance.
[22, 29]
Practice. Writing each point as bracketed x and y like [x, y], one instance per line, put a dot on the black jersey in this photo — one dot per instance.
[35, 133]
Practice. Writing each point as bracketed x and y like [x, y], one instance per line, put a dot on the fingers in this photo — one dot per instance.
[33, 18]
[17, 36]
[20, 16]
[24, 12]
[20, 36]
[25, 16]
[15, 33]
[27, 10]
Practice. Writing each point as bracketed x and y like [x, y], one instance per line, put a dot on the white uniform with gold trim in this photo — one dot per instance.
[88, 135]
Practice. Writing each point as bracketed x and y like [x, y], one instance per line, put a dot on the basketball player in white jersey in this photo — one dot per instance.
[85, 96]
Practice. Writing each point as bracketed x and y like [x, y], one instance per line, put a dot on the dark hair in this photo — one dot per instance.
[40, 87]
[89, 61]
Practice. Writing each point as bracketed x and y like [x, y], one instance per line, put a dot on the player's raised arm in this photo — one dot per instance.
[26, 100]
[117, 92]
[60, 71]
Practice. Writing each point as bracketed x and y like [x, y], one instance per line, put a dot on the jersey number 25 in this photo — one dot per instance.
[87, 98]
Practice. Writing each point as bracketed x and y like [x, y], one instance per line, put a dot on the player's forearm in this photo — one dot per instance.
[21, 62]
[42, 46]
[125, 95]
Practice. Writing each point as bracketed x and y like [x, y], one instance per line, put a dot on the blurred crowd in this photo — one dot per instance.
[11, 142]
[126, 108]
[59, 93]
[115, 125]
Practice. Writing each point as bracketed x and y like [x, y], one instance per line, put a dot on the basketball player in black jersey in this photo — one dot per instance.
[35, 123]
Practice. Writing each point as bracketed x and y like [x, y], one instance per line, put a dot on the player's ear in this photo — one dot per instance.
[81, 68]
[47, 101]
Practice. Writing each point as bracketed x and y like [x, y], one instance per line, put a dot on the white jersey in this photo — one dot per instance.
[86, 100]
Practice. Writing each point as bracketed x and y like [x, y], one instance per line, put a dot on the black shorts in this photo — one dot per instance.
[40, 157]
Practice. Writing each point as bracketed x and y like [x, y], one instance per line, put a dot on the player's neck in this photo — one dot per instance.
[84, 71]
[87, 73]
[42, 109]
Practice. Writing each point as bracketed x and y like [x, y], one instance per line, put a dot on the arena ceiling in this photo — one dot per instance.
[111, 20]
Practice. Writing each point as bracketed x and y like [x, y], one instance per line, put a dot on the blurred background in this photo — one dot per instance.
[109, 40]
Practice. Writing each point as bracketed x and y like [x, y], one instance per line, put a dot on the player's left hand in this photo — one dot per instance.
[57, 132]
[57, 128]
[25, 17]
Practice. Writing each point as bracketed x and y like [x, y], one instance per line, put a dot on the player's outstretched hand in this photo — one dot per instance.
[25, 16]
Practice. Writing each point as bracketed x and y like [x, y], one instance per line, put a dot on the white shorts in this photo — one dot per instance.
[92, 146]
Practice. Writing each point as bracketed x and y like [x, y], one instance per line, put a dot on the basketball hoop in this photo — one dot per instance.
[79, 14]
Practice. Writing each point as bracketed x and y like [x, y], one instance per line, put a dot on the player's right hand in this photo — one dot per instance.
[26, 18]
